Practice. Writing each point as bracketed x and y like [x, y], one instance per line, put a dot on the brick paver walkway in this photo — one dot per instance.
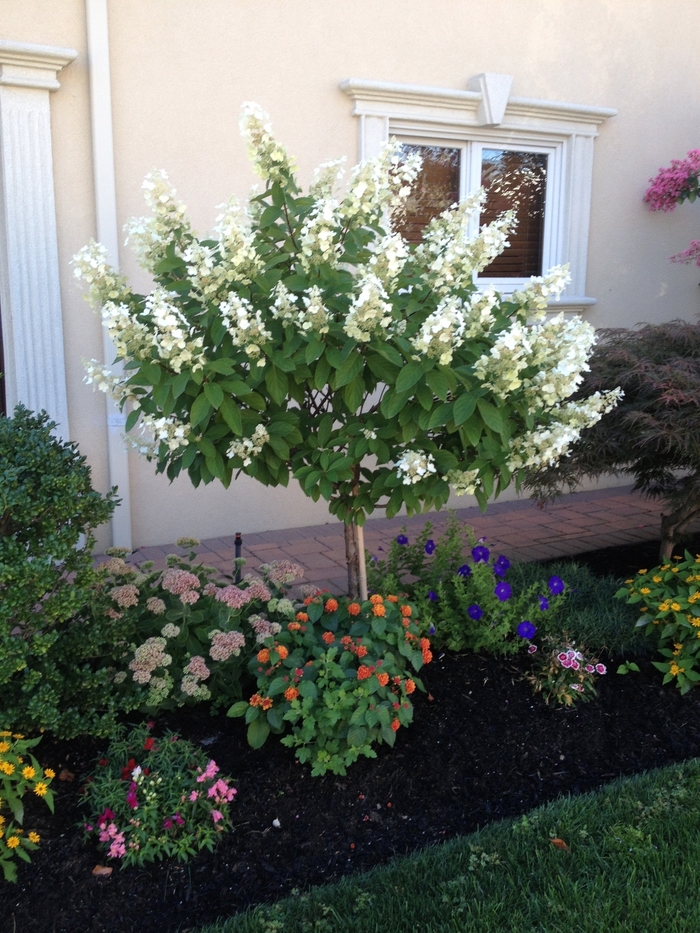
[581, 521]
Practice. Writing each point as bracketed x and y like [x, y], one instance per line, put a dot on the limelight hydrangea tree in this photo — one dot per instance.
[304, 338]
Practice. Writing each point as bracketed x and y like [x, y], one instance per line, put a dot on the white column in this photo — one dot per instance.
[30, 299]
[107, 234]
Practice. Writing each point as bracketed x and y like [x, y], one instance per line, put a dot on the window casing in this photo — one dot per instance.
[475, 121]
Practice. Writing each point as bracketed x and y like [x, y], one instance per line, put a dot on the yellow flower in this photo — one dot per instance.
[2, 820]
[6, 768]
[645, 609]
[674, 569]
[678, 647]
[657, 579]
[28, 772]
[645, 591]
[34, 837]
[40, 789]
[642, 571]
[17, 735]
[665, 566]
[676, 607]
[4, 747]
[5, 733]
[49, 773]
[629, 581]
[674, 669]
[1, 834]
[12, 842]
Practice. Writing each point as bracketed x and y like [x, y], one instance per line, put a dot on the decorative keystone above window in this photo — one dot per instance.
[538, 152]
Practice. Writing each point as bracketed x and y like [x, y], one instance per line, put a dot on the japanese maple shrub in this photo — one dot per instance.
[304, 338]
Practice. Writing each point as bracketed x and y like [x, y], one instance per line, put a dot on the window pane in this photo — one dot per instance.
[436, 189]
[516, 180]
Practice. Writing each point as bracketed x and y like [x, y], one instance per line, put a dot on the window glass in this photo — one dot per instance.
[516, 180]
[436, 189]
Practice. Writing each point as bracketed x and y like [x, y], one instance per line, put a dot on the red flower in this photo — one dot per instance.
[103, 761]
[128, 768]
[149, 743]
[395, 725]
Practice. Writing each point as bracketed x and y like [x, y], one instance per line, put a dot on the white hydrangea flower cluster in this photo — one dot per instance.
[172, 336]
[370, 310]
[479, 318]
[380, 185]
[105, 283]
[541, 290]
[369, 434]
[244, 324]
[450, 256]
[390, 255]
[319, 233]
[464, 482]
[130, 336]
[315, 317]
[149, 236]
[546, 446]
[213, 269]
[155, 431]
[325, 178]
[105, 381]
[560, 350]
[442, 332]
[249, 447]
[415, 465]
[500, 369]
[270, 160]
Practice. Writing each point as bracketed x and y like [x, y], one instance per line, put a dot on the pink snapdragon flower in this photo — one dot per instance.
[216, 816]
[208, 773]
[221, 792]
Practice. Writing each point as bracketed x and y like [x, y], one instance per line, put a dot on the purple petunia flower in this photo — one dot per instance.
[432, 629]
[556, 585]
[475, 612]
[465, 571]
[432, 596]
[544, 603]
[526, 629]
[501, 565]
[402, 539]
[429, 546]
[503, 591]
[480, 553]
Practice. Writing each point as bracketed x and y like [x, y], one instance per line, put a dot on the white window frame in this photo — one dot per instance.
[488, 117]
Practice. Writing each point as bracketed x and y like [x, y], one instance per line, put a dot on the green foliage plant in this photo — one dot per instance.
[20, 773]
[668, 599]
[55, 646]
[466, 604]
[193, 631]
[565, 672]
[341, 676]
[304, 338]
[153, 798]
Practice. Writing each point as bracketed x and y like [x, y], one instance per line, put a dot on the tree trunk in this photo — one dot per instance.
[355, 559]
[673, 526]
[352, 556]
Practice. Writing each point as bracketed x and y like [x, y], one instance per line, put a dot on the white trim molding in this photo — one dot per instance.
[30, 298]
[107, 228]
[487, 114]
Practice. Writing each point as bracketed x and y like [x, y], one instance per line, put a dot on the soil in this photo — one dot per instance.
[481, 748]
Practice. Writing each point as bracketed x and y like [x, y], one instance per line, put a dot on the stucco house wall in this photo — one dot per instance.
[180, 71]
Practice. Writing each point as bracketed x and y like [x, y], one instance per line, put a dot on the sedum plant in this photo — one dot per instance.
[304, 338]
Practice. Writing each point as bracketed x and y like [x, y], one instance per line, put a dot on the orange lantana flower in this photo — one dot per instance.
[379, 610]
[302, 617]
[328, 637]
[410, 685]
[331, 605]
[263, 655]
[393, 599]
[376, 599]
[354, 609]
[361, 651]
[281, 651]
[383, 679]
[363, 672]
[291, 693]
[406, 610]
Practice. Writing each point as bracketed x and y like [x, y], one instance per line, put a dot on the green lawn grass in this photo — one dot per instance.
[632, 866]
